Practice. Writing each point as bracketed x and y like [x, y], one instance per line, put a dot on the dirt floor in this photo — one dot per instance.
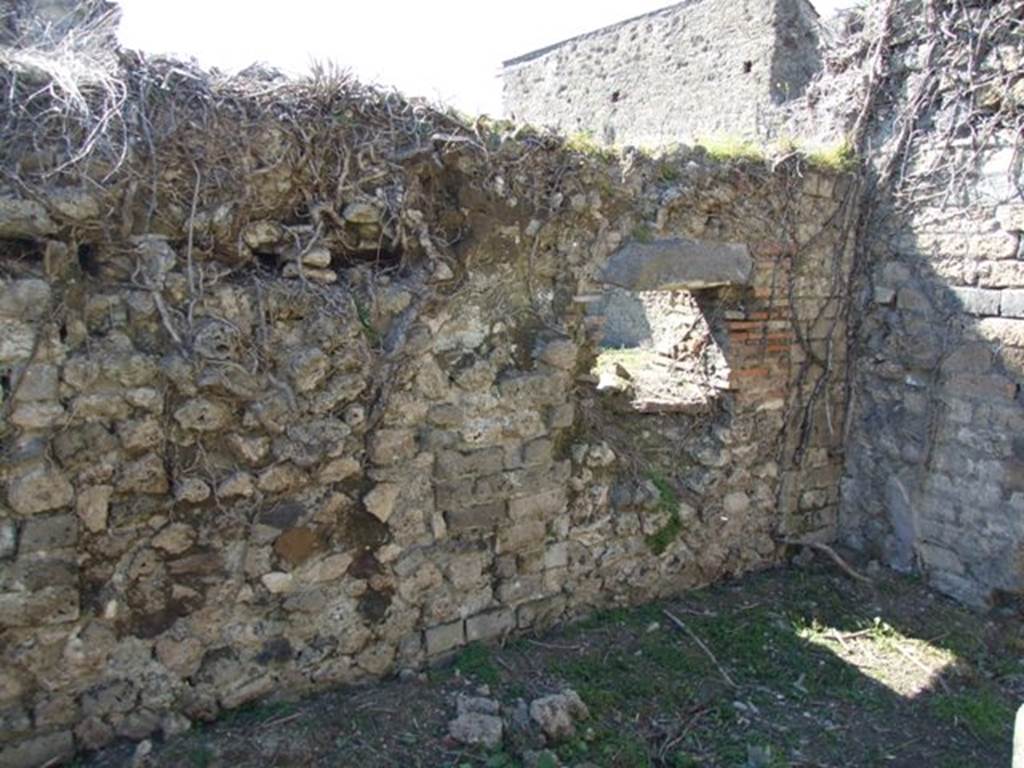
[802, 667]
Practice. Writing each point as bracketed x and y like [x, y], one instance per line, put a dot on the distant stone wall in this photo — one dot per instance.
[228, 475]
[703, 68]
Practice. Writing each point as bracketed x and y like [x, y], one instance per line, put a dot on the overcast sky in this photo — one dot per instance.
[446, 50]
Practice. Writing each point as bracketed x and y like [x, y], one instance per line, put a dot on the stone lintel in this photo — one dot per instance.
[678, 264]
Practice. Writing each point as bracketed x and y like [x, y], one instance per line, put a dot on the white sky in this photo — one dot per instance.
[446, 50]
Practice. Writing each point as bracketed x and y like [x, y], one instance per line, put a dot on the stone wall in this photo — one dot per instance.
[703, 68]
[933, 479]
[258, 443]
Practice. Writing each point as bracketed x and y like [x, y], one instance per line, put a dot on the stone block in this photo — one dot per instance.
[145, 475]
[477, 517]
[24, 299]
[978, 301]
[444, 637]
[51, 605]
[544, 505]
[46, 749]
[380, 502]
[1011, 217]
[489, 625]
[561, 416]
[521, 588]
[678, 264]
[560, 353]
[203, 415]
[38, 382]
[539, 451]
[50, 532]
[451, 465]
[541, 613]
[390, 446]
[1012, 303]
[1001, 274]
[1005, 331]
[557, 555]
[40, 489]
[535, 387]
[31, 416]
[520, 536]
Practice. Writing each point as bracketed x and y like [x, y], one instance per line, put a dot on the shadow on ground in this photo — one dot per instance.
[803, 668]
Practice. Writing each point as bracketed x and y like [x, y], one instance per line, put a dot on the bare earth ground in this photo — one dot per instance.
[825, 672]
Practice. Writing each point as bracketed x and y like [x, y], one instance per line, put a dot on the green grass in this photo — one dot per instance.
[585, 143]
[363, 313]
[838, 157]
[477, 661]
[668, 502]
[643, 233]
[982, 712]
[728, 148]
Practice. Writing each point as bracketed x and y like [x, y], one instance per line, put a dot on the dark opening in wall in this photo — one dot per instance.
[748, 67]
[87, 260]
[616, 95]
[21, 250]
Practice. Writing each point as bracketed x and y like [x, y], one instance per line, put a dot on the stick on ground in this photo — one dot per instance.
[846, 568]
[707, 651]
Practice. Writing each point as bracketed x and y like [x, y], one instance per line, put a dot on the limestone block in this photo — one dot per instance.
[308, 368]
[1001, 274]
[681, 263]
[489, 625]
[560, 353]
[1003, 331]
[175, 539]
[48, 532]
[24, 299]
[280, 478]
[24, 219]
[40, 489]
[50, 605]
[17, 340]
[390, 446]
[1011, 217]
[100, 406]
[238, 484]
[92, 505]
[144, 475]
[978, 301]
[253, 450]
[453, 464]
[30, 416]
[380, 502]
[542, 505]
[339, 469]
[1011, 303]
[203, 415]
[38, 382]
[444, 637]
[191, 490]
[277, 582]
